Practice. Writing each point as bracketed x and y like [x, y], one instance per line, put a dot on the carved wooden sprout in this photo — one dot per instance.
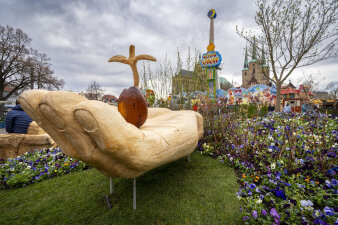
[132, 105]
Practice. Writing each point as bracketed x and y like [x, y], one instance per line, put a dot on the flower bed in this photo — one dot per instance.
[286, 165]
[33, 167]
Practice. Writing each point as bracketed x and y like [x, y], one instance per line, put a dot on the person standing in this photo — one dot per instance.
[287, 108]
[17, 121]
[304, 108]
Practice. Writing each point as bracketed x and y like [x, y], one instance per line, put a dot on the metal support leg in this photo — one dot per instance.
[111, 192]
[189, 158]
[134, 195]
[111, 186]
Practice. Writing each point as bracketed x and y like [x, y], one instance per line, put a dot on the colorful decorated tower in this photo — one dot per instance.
[211, 60]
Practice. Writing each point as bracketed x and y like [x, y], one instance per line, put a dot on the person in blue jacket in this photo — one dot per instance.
[305, 108]
[17, 120]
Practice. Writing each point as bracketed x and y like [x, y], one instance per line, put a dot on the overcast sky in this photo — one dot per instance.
[80, 36]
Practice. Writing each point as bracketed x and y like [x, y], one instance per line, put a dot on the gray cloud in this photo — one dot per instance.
[80, 36]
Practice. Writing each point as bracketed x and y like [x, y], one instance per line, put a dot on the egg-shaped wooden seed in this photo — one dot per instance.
[133, 106]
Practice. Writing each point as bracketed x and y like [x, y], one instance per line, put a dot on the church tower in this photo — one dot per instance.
[255, 71]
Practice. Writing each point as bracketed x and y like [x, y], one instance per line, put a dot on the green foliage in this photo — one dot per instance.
[263, 111]
[36, 166]
[252, 110]
[286, 164]
[207, 149]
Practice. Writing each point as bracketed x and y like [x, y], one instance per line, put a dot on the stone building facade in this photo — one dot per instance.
[189, 81]
[255, 71]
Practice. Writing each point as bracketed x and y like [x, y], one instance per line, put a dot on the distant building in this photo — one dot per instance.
[109, 99]
[189, 81]
[255, 71]
[224, 83]
[291, 92]
[295, 97]
[13, 97]
[321, 94]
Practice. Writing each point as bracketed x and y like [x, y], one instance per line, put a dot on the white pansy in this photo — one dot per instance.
[273, 166]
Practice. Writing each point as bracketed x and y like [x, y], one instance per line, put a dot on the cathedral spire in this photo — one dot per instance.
[254, 57]
[246, 64]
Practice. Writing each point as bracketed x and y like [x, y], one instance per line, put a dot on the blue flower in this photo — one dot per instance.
[306, 203]
[328, 211]
[328, 183]
[334, 182]
[274, 213]
[272, 181]
[254, 214]
[287, 184]
[331, 172]
[277, 176]
[245, 218]
[279, 193]
[319, 221]
[252, 186]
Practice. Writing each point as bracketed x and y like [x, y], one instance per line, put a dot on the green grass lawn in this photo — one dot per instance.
[200, 192]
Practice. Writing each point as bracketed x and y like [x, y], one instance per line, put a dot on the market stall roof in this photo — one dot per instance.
[289, 90]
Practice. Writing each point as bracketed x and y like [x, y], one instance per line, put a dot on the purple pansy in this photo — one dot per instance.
[274, 213]
[254, 214]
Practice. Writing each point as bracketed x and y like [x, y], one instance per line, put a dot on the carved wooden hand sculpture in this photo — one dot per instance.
[97, 134]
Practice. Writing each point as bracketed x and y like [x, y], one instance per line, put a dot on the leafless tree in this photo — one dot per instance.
[226, 86]
[94, 91]
[311, 82]
[15, 60]
[159, 78]
[22, 67]
[296, 33]
[41, 73]
[332, 88]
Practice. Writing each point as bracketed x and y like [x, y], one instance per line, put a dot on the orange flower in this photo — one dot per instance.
[66, 164]
[255, 180]
[257, 177]
[243, 175]
[317, 182]
[307, 180]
